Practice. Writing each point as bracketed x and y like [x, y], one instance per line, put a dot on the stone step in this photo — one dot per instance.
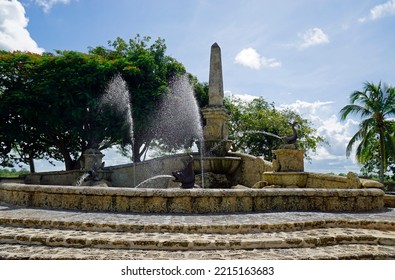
[194, 241]
[163, 224]
[336, 252]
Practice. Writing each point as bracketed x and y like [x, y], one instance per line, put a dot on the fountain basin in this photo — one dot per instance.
[62, 177]
[218, 165]
[216, 147]
[317, 180]
[297, 179]
[191, 200]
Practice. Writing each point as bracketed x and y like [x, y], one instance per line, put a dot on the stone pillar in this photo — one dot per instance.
[215, 127]
[288, 160]
[215, 82]
[215, 132]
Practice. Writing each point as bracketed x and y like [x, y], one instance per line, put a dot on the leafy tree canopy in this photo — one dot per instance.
[49, 102]
[249, 119]
[375, 105]
[371, 166]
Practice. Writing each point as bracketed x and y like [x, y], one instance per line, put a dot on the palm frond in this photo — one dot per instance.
[363, 151]
[374, 104]
[354, 109]
[357, 137]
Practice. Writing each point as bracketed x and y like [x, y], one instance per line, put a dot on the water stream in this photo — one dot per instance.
[82, 178]
[117, 98]
[178, 116]
[263, 132]
[149, 180]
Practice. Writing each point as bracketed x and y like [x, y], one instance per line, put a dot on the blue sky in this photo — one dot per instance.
[307, 54]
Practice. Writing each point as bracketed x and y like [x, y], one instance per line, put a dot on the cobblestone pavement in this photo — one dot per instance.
[338, 252]
[57, 234]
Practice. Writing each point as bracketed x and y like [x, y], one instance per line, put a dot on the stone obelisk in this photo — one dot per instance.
[215, 82]
[215, 131]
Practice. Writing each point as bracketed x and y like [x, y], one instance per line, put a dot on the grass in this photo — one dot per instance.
[12, 173]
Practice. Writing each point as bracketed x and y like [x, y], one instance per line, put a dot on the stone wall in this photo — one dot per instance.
[129, 175]
[61, 177]
[317, 180]
[191, 200]
[389, 201]
[250, 170]
[247, 174]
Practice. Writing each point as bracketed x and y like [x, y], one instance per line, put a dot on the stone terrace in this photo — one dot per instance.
[28, 233]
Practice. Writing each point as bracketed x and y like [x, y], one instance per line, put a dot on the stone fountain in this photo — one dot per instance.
[236, 182]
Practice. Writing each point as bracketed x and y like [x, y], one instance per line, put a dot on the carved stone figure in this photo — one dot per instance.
[290, 141]
[185, 176]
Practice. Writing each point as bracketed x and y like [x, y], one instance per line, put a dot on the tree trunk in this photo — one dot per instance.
[136, 153]
[68, 161]
[382, 156]
[31, 164]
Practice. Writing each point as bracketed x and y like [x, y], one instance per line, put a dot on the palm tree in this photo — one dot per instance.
[374, 105]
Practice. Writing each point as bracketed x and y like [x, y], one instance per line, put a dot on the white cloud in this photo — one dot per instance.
[13, 32]
[335, 132]
[244, 97]
[338, 134]
[380, 11]
[307, 108]
[48, 4]
[312, 37]
[249, 57]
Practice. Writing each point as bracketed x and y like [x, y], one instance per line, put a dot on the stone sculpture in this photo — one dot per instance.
[185, 176]
[288, 158]
[291, 139]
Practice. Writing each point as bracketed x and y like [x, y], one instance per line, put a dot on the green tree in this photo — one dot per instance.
[248, 121]
[371, 166]
[146, 85]
[49, 104]
[20, 142]
[374, 105]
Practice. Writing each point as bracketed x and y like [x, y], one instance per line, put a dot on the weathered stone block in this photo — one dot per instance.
[74, 202]
[121, 204]
[326, 181]
[389, 201]
[136, 204]
[262, 203]
[353, 181]
[366, 183]
[245, 204]
[181, 204]
[194, 200]
[156, 205]
[288, 160]
[205, 204]
[297, 179]
[228, 205]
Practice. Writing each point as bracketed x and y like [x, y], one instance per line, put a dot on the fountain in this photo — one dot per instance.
[175, 128]
[248, 183]
[115, 98]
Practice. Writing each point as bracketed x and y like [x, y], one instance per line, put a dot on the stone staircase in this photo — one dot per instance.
[43, 234]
